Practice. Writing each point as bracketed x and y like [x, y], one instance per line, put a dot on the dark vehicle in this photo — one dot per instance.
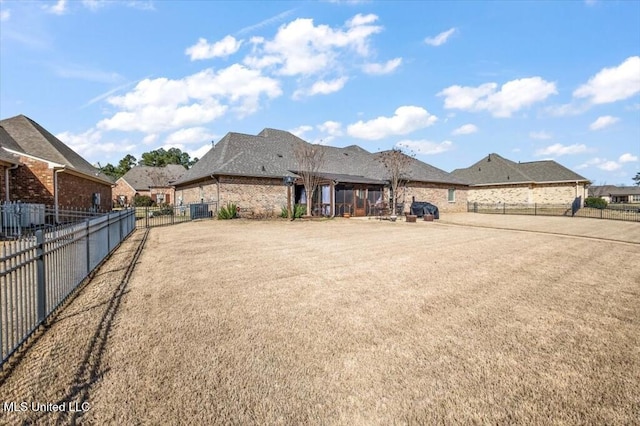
[421, 208]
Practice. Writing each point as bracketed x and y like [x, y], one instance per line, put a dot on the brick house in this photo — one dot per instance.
[616, 194]
[46, 171]
[155, 182]
[248, 170]
[495, 179]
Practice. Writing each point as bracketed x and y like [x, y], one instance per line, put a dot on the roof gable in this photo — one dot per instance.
[496, 170]
[144, 177]
[31, 139]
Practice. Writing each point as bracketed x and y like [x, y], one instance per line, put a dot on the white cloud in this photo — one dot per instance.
[628, 158]
[161, 104]
[600, 163]
[149, 139]
[191, 135]
[612, 84]
[425, 147]
[303, 48]
[557, 150]
[512, 96]
[602, 122]
[332, 128]
[405, 120]
[5, 14]
[81, 72]
[441, 38]
[200, 152]
[90, 144]
[220, 49]
[321, 88]
[542, 135]
[59, 8]
[380, 69]
[301, 130]
[609, 166]
[465, 129]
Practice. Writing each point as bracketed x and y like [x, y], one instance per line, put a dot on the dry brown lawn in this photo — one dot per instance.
[358, 322]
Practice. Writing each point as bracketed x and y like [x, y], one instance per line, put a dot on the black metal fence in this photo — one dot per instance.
[39, 271]
[21, 219]
[149, 217]
[628, 212]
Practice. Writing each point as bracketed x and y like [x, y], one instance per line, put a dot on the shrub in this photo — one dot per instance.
[142, 201]
[595, 202]
[229, 212]
[299, 210]
[164, 210]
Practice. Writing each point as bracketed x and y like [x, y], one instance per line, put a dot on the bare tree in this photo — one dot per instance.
[310, 160]
[397, 164]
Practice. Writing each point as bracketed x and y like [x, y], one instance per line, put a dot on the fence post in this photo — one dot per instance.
[87, 226]
[41, 277]
[146, 217]
[108, 232]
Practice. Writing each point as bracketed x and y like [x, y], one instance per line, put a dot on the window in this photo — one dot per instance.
[636, 198]
[452, 195]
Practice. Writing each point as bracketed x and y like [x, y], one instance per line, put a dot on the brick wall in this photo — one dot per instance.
[123, 188]
[437, 194]
[74, 191]
[561, 193]
[205, 190]
[264, 197]
[32, 182]
[259, 197]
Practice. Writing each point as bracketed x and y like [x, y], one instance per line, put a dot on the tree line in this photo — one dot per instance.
[156, 158]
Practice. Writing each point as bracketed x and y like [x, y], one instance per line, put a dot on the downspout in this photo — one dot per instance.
[217, 181]
[6, 181]
[56, 170]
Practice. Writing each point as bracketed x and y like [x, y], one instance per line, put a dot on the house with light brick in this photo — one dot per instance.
[36, 167]
[495, 179]
[249, 170]
[616, 194]
[154, 182]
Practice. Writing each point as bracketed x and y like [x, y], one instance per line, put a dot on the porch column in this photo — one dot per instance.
[332, 197]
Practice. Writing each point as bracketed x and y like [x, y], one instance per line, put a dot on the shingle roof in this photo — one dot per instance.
[601, 190]
[271, 154]
[144, 177]
[28, 137]
[496, 170]
[7, 141]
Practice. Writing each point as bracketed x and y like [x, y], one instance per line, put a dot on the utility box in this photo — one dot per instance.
[199, 211]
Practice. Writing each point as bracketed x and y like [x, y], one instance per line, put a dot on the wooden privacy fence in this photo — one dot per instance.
[39, 271]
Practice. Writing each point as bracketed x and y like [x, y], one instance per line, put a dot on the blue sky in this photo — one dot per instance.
[450, 81]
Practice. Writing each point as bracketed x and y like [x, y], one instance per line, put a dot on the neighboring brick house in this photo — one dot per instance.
[155, 182]
[48, 171]
[616, 194]
[249, 170]
[495, 179]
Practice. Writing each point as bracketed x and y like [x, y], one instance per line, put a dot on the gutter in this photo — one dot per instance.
[56, 170]
[6, 181]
